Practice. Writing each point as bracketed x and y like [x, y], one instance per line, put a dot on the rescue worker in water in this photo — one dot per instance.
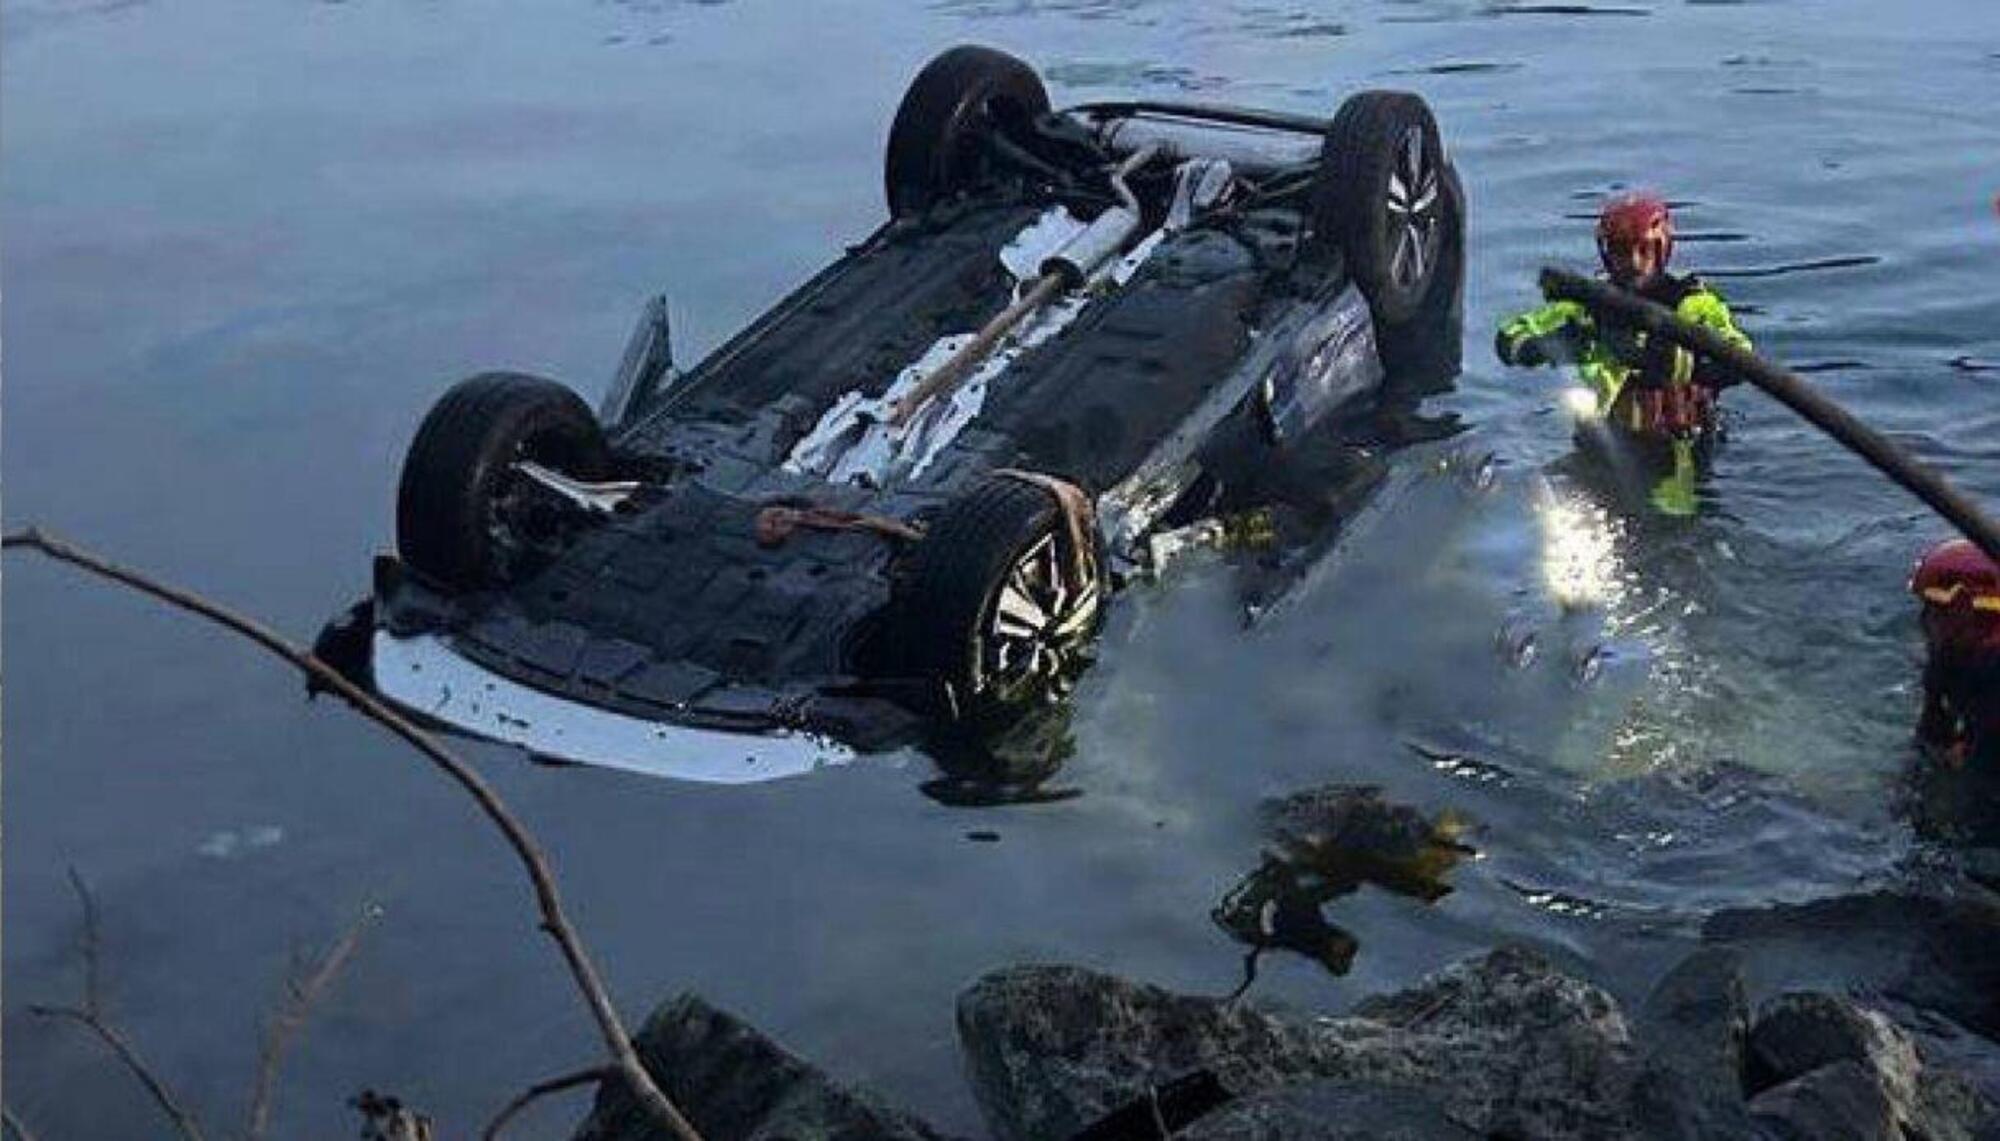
[1958, 587]
[1651, 412]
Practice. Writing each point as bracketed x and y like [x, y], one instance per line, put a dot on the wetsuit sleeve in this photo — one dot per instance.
[1940, 725]
[1704, 307]
[1552, 334]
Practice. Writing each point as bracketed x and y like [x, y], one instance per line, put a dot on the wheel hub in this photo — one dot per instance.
[528, 522]
[1040, 624]
[1411, 204]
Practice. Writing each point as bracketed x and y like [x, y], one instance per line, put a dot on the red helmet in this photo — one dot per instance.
[1960, 590]
[1631, 220]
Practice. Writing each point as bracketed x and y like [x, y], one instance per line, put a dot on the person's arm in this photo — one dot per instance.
[1552, 334]
[1939, 726]
[1706, 308]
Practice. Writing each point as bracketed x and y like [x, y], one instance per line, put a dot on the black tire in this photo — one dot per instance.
[456, 522]
[1003, 535]
[1380, 195]
[933, 152]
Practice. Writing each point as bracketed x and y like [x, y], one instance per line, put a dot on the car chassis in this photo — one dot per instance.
[891, 509]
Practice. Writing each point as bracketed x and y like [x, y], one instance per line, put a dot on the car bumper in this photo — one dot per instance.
[424, 675]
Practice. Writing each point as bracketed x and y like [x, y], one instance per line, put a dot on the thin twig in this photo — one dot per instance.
[117, 1041]
[13, 1124]
[616, 1040]
[300, 995]
[183, 1120]
[91, 1016]
[93, 987]
[541, 1090]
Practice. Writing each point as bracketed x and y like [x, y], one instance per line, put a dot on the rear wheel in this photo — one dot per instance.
[999, 605]
[465, 517]
[934, 145]
[1424, 353]
[1381, 195]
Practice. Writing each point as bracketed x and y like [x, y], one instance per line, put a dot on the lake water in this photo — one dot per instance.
[247, 244]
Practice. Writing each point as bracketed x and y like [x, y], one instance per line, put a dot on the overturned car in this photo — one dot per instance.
[896, 505]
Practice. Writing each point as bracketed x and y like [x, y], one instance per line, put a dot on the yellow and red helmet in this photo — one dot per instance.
[1959, 587]
[1630, 221]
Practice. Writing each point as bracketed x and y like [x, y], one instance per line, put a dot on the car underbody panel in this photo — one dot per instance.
[735, 584]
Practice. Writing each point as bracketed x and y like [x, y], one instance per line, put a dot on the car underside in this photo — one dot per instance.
[893, 509]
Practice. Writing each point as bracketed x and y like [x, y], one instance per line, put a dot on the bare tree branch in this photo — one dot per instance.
[302, 989]
[13, 1125]
[541, 1090]
[183, 1120]
[91, 1016]
[616, 1040]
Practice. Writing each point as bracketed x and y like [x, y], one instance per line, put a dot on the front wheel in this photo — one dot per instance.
[465, 517]
[1003, 599]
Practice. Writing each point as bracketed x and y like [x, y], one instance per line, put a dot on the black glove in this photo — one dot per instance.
[1528, 353]
[1705, 373]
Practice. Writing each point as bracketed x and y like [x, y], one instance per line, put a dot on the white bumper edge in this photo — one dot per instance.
[424, 675]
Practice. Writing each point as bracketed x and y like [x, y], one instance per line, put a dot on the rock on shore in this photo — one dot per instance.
[1500, 1045]
[1505, 1042]
[735, 1084]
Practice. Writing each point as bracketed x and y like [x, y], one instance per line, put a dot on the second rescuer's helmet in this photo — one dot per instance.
[1959, 587]
[1632, 220]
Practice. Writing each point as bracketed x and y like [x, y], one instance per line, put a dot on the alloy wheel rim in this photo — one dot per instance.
[1411, 204]
[1039, 624]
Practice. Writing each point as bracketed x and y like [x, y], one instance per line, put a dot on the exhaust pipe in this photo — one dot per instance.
[1107, 234]
[1092, 246]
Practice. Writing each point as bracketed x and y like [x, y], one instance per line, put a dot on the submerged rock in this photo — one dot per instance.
[1351, 833]
[1325, 843]
[1506, 1043]
[734, 1084]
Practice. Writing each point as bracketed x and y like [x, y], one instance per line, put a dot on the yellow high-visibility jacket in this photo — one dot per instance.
[1610, 359]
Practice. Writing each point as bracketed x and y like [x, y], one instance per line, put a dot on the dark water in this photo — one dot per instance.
[245, 245]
